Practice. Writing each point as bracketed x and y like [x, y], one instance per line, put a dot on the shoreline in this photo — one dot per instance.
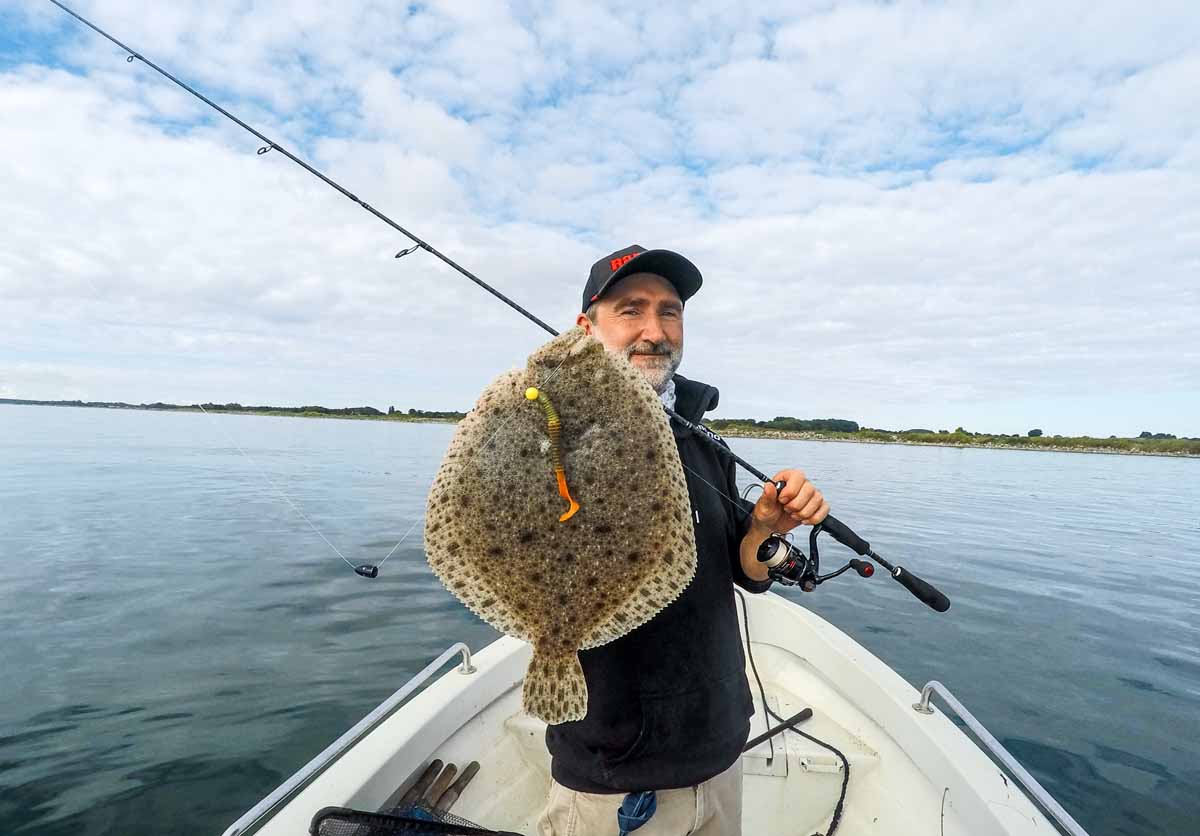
[783, 435]
[399, 418]
[733, 432]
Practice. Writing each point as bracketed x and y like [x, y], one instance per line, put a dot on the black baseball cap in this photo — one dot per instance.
[673, 267]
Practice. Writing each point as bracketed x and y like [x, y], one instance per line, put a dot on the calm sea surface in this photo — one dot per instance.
[176, 640]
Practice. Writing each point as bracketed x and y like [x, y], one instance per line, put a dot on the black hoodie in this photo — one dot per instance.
[668, 704]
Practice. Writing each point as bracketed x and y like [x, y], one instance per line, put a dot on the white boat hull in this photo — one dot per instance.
[910, 773]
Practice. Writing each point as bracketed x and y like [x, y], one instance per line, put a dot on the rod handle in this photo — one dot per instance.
[842, 533]
[925, 592]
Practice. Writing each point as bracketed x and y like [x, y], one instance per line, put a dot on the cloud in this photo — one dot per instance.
[906, 214]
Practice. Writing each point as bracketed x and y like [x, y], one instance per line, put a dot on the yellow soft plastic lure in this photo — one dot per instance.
[555, 426]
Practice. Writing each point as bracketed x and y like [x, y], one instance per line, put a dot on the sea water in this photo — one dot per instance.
[177, 639]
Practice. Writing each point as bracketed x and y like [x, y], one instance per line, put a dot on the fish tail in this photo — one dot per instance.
[555, 690]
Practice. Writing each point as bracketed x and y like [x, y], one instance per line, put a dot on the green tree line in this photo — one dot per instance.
[1147, 442]
[788, 424]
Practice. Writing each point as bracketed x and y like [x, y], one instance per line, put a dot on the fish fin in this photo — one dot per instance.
[655, 594]
[554, 690]
[490, 607]
[620, 621]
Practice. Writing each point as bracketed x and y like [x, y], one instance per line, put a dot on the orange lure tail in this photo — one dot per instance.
[555, 426]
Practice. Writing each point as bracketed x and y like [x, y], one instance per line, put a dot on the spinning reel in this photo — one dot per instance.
[787, 565]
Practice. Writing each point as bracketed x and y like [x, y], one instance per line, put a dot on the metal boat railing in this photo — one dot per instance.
[306, 774]
[289, 788]
[994, 747]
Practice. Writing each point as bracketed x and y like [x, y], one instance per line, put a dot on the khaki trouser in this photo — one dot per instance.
[713, 808]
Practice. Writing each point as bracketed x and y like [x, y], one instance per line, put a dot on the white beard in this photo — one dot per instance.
[661, 368]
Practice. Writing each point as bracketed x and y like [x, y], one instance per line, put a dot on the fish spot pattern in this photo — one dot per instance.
[493, 536]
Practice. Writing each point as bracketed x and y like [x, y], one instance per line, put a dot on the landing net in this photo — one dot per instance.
[410, 821]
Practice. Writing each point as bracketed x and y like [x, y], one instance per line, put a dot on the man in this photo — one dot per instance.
[669, 704]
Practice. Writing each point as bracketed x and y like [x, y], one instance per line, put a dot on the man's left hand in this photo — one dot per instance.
[798, 502]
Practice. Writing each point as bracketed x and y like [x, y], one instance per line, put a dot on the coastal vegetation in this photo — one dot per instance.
[784, 427]
[1149, 443]
[358, 412]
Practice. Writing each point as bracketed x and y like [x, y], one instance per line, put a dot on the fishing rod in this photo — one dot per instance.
[837, 529]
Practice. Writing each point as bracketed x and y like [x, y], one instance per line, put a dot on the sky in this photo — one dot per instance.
[907, 214]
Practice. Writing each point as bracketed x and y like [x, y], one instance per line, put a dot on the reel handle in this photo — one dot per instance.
[864, 569]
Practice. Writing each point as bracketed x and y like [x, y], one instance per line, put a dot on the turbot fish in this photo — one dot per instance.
[560, 514]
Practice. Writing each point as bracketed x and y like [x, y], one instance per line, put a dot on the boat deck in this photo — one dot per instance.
[910, 773]
[793, 792]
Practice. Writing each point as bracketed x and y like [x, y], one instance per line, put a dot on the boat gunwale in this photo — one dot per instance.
[934, 746]
[987, 742]
[260, 813]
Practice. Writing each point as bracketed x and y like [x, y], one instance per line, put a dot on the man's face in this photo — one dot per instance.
[642, 318]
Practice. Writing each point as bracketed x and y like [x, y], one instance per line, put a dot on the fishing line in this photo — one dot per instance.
[398, 542]
[737, 506]
[418, 243]
[282, 494]
[839, 530]
[366, 570]
[504, 422]
[846, 536]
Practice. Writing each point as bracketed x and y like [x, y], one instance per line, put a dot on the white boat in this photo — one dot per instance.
[912, 770]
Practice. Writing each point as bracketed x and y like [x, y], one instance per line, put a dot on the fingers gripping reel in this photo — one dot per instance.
[554, 425]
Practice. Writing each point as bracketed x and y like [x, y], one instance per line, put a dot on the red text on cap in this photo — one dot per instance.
[620, 260]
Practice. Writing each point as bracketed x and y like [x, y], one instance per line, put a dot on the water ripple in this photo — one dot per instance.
[181, 642]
